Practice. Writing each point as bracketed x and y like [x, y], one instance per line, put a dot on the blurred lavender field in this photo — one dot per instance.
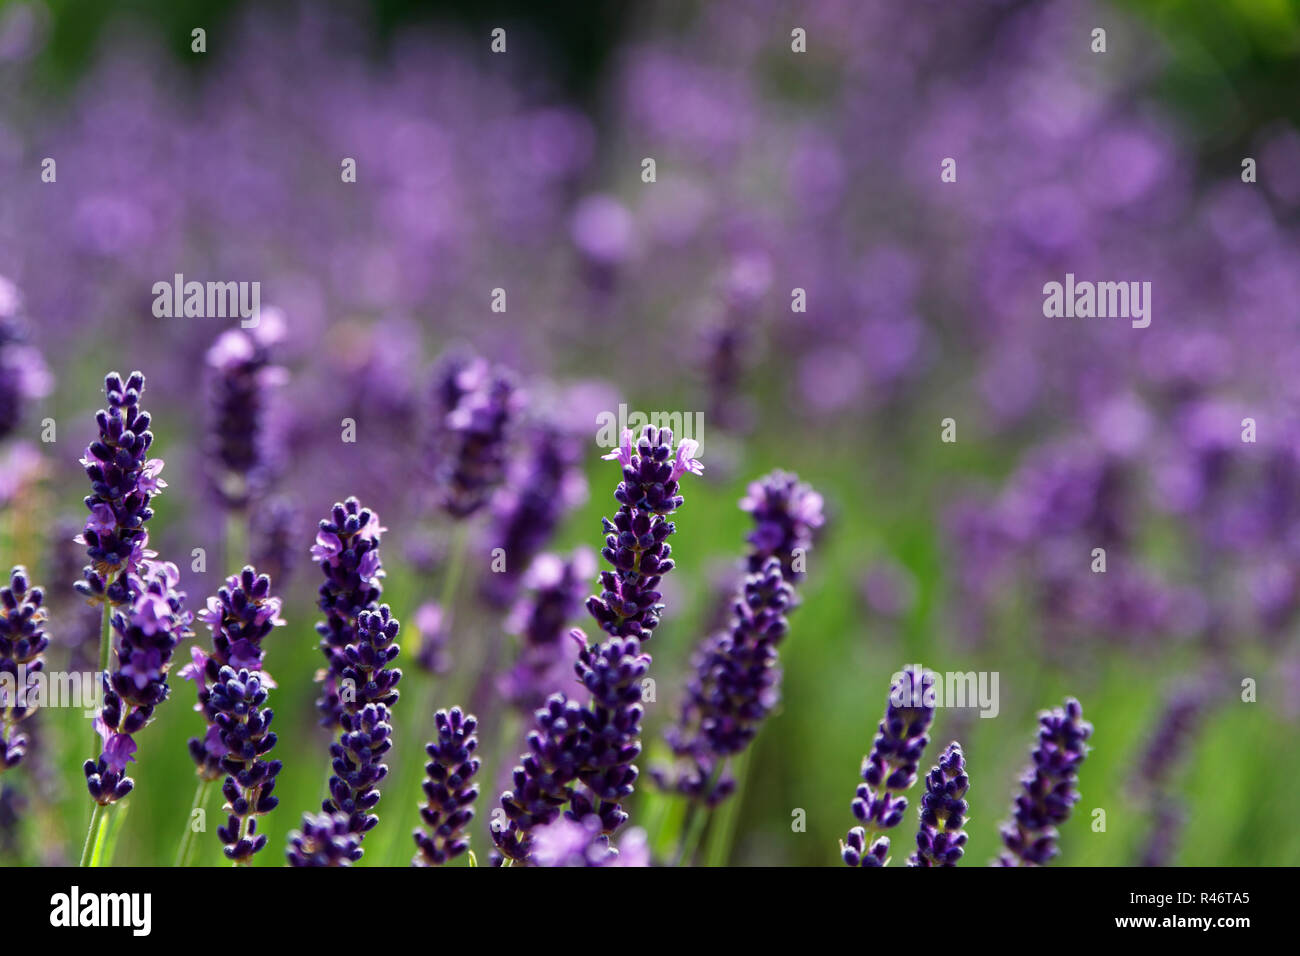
[798, 274]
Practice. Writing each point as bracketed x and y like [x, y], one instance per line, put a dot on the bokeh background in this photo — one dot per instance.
[775, 170]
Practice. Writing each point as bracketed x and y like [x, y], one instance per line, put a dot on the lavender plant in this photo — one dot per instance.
[23, 374]
[325, 839]
[595, 745]
[554, 588]
[22, 656]
[941, 841]
[347, 550]
[889, 770]
[449, 795]
[240, 376]
[244, 738]
[569, 842]
[148, 629]
[1049, 787]
[367, 691]
[787, 513]
[476, 426]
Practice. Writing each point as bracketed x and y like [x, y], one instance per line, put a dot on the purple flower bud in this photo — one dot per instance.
[787, 513]
[568, 842]
[243, 723]
[347, 550]
[476, 405]
[324, 840]
[736, 684]
[544, 484]
[123, 482]
[1048, 787]
[941, 841]
[449, 795]
[890, 768]
[240, 377]
[366, 689]
[240, 615]
[22, 656]
[148, 631]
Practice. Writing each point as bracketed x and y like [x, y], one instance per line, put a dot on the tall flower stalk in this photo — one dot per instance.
[1048, 788]
[889, 770]
[148, 630]
[583, 755]
[941, 841]
[22, 657]
[449, 794]
[240, 616]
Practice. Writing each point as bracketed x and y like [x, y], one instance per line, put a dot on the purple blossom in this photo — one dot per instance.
[367, 689]
[243, 724]
[240, 616]
[735, 685]
[449, 795]
[1048, 787]
[544, 484]
[941, 841]
[890, 768]
[325, 839]
[22, 656]
[275, 534]
[553, 591]
[123, 482]
[148, 629]
[787, 513]
[240, 377]
[23, 375]
[636, 541]
[569, 842]
[477, 407]
[347, 550]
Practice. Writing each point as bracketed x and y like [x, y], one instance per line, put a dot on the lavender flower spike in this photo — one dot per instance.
[324, 840]
[636, 541]
[367, 690]
[148, 630]
[22, 656]
[347, 549]
[449, 795]
[241, 376]
[787, 512]
[23, 374]
[240, 615]
[1049, 787]
[736, 685]
[941, 841]
[568, 842]
[123, 483]
[890, 768]
[243, 726]
[472, 463]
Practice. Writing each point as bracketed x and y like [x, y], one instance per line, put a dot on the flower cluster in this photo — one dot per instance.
[1048, 787]
[240, 378]
[941, 841]
[148, 629]
[736, 684]
[240, 615]
[478, 404]
[636, 541]
[544, 485]
[786, 512]
[543, 781]
[583, 842]
[325, 839]
[890, 768]
[347, 550]
[275, 539]
[554, 589]
[449, 795]
[22, 656]
[367, 686]
[123, 482]
[244, 738]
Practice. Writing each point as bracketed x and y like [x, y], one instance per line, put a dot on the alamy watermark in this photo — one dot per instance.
[208, 300]
[949, 689]
[42, 688]
[1101, 300]
[611, 425]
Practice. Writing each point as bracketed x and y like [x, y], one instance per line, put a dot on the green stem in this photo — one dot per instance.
[185, 851]
[236, 540]
[697, 815]
[94, 836]
[723, 833]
